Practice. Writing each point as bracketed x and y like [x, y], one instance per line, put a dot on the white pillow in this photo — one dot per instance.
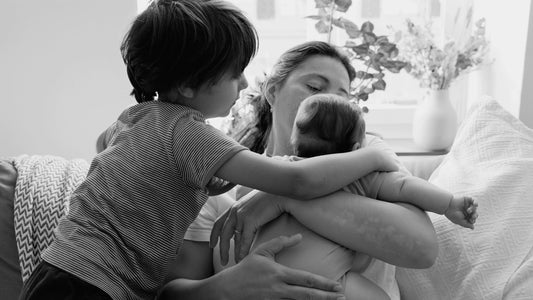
[491, 160]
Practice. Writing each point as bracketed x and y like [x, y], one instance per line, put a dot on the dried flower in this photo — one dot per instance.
[436, 68]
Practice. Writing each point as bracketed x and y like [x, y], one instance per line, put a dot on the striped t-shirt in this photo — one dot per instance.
[127, 219]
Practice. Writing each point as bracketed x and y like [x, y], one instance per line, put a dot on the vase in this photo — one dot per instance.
[435, 121]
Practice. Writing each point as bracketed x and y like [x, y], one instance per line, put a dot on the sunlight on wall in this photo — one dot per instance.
[142, 5]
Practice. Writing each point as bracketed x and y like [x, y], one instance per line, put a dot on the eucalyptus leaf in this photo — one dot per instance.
[361, 49]
[351, 28]
[363, 75]
[323, 3]
[379, 85]
[366, 50]
[369, 37]
[343, 5]
[369, 89]
[322, 27]
[367, 27]
[382, 39]
[362, 96]
[388, 49]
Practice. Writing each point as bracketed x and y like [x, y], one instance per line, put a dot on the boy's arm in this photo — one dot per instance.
[398, 187]
[304, 179]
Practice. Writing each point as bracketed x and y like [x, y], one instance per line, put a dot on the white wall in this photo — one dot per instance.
[510, 76]
[62, 79]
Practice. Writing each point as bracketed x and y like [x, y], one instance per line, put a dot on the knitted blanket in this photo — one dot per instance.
[44, 185]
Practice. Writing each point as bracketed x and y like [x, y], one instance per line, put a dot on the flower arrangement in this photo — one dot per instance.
[436, 67]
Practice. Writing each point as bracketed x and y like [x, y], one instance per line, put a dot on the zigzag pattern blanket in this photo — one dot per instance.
[42, 192]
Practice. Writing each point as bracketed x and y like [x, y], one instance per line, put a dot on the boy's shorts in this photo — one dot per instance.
[50, 282]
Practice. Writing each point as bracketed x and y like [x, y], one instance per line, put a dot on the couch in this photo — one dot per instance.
[491, 160]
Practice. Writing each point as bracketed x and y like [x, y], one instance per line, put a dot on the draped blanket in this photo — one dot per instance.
[42, 192]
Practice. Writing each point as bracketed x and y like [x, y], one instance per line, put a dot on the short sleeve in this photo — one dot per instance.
[200, 229]
[372, 182]
[377, 142]
[200, 149]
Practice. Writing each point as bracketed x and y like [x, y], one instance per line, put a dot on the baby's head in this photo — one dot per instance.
[186, 43]
[325, 124]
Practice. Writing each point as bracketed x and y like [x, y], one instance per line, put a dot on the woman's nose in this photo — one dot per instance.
[243, 83]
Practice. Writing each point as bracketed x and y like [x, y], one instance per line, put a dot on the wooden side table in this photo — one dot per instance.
[406, 147]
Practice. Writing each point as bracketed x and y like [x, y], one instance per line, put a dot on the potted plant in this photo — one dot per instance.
[371, 54]
[435, 120]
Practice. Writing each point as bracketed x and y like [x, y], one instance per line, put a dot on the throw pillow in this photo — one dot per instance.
[491, 160]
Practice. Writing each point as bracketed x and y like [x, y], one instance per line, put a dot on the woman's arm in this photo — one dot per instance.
[399, 234]
[396, 233]
[304, 179]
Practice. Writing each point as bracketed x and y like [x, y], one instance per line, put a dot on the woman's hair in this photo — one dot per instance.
[327, 123]
[186, 43]
[288, 62]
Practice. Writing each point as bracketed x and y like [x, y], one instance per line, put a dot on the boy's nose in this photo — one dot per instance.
[243, 83]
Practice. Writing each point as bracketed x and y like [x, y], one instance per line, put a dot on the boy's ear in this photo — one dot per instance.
[356, 146]
[186, 91]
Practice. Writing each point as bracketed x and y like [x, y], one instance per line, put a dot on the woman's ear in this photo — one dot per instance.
[356, 146]
[270, 94]
[186, 92]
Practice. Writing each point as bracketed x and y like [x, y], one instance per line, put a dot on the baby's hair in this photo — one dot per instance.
[186, 43]
[329, 124]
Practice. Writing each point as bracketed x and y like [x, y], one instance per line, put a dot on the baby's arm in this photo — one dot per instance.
[304, 179]
[397, 187]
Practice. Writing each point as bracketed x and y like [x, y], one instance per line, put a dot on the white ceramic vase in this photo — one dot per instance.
[435, 121]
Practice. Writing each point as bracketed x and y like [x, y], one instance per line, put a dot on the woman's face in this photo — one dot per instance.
[317, 74]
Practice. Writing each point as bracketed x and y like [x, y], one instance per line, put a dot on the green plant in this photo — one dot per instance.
[369, 53]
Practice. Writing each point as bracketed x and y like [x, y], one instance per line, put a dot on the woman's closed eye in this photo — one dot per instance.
[314, 88]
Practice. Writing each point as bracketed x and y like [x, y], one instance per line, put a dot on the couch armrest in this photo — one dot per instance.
[10, 278]
[421, 165]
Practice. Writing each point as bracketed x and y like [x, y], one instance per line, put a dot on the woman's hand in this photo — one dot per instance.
[242, 220]
[258, 276]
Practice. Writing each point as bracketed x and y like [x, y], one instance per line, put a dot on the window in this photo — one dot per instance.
[281, 24]
[286, 25]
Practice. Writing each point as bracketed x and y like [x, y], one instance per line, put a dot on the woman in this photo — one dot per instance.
[364, 225]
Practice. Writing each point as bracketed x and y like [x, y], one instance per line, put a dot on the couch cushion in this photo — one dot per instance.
[491, 160]
[10, 279]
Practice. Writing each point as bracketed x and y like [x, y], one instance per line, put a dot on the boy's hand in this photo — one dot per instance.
[462, 211]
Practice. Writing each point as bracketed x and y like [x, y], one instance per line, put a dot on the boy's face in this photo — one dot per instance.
[216, 100]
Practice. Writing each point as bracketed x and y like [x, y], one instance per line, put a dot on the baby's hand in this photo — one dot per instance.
[462, 211]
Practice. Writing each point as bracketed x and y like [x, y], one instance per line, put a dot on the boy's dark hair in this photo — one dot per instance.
[331, 124]
[186, 43]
